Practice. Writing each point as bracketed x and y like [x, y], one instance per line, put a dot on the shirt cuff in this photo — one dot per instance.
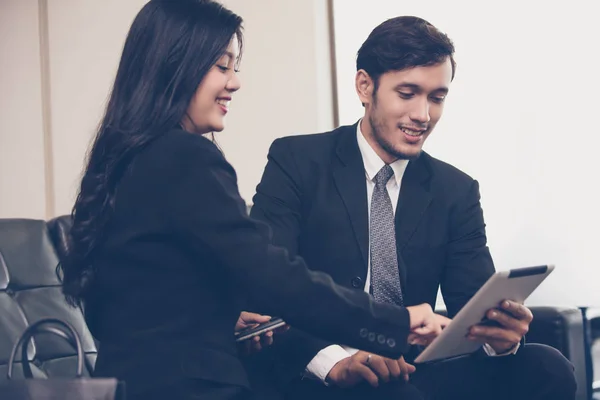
[324, 361]
[489, 350]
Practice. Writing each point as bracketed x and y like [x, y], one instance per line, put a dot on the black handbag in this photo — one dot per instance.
[78, 388]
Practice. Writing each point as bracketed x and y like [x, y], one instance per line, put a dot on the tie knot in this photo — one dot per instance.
[384, 175]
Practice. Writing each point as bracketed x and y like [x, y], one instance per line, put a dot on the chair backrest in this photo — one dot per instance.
[58, 228]
[29, 291]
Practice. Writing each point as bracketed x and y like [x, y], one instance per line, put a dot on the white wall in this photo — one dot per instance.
[286, 82]
[519, 118]
[85, 42]
[22, 180]
[286, 88]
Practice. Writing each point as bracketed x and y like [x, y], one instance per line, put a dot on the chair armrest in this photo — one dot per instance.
[564, 329]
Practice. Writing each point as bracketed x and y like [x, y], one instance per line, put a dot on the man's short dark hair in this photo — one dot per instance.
[403, 42]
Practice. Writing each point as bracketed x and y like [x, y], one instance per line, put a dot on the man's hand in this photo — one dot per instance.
[405, 368]
[425, 325]
[372, 368]
[513, 320]
[255, 344]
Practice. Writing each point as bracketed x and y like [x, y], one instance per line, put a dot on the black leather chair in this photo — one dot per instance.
[593, 342]
[58, 229]
[564, 329]
[29, 291]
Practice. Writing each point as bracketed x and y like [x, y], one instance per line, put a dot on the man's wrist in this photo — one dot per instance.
[490, 351]
[328, 381]
[322, 364]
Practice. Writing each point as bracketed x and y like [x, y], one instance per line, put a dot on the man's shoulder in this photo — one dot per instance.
[446, 174]
[447, 169]
[312, 143]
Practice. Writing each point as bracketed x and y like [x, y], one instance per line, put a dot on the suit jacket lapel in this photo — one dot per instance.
[412, 203]
[413, 200]
[349, 177]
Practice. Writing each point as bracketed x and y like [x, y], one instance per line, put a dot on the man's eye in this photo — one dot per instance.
[405, 95]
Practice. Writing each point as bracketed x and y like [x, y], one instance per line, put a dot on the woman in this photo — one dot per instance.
[162, 254]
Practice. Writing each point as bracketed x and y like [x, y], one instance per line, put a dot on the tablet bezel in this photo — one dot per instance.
[515, 284]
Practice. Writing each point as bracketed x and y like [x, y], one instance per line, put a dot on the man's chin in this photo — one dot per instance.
[402, 151]
[409, 155]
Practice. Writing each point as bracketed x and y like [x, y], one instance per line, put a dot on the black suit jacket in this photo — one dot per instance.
[181, 259]
[313, 195]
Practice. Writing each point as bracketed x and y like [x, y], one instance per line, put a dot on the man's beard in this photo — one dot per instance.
[376, 127]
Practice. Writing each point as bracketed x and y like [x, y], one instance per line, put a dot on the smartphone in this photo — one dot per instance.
[249, 333]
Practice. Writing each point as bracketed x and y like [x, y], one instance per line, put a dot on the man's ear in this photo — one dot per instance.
[364, 86]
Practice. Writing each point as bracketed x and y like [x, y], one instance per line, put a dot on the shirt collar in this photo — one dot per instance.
[373, 163]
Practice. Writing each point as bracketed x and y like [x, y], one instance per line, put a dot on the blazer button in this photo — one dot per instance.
[381, 339]
[363, 332]
[391, 342]
[371, 337]
[357, 282]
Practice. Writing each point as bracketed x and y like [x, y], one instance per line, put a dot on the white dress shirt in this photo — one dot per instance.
[326, 359]
[322, 363]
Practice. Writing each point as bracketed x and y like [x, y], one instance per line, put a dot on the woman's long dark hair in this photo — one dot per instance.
[170, 47]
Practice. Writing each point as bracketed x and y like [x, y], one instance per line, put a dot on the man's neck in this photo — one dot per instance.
[365, 129]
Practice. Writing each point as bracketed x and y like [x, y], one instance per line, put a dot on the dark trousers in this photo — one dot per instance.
[192, 389]
[536, 372]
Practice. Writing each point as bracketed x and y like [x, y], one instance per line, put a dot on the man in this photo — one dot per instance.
[365, 204]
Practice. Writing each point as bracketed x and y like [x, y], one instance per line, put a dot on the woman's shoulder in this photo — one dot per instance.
[177, 139]
[177, 146]
[173, 159]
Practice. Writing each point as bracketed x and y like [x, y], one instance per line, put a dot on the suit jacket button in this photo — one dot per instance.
[357, 282]
[363, 332]
[391, 342]
[371, 337]
[381, 339]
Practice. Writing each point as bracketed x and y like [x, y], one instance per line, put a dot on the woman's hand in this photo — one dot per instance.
[425, 325]
[255, 344]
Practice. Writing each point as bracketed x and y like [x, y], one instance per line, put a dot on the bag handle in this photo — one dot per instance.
[66, 331]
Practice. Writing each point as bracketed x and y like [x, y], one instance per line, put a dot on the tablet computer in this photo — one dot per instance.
[248, 333]
[514, 284]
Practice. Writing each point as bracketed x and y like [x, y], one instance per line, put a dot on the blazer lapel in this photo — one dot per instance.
[413, 200]
[349, 177]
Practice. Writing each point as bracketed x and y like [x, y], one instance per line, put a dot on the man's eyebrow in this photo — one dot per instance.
[411, 86]
[416, 88]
